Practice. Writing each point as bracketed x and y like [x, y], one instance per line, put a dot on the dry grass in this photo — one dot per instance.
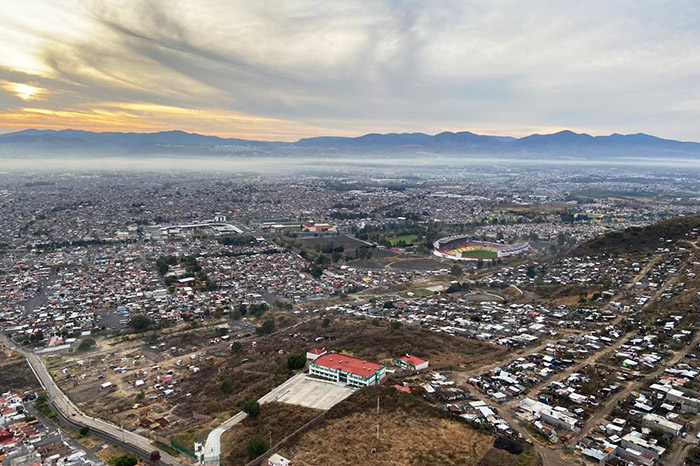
[374, 340]
[109, 453]
[411, 433]
[278, 418]
[16, 374]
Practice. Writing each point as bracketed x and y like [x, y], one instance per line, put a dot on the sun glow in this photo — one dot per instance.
[24, 91]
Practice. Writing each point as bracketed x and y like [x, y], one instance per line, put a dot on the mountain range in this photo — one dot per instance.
[564, 144]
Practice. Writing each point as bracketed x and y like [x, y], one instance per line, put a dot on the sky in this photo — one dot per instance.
[283, 70]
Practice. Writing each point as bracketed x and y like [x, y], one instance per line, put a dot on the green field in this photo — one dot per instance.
[480, 254]
[405, 239]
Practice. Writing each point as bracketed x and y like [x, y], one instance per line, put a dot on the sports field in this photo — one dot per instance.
[405, 239]
[480, 254]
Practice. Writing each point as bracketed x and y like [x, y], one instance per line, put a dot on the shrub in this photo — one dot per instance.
[124, 460]
[296, 361]
[266, 328]
[251, 408]
[257, 446]
[226, 386]
[86, 344]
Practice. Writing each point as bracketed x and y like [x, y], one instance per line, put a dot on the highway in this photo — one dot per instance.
[70, 414]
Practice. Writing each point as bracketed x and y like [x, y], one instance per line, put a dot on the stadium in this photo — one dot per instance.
[462, 248]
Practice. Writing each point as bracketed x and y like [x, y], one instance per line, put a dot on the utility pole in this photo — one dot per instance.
[377, 418]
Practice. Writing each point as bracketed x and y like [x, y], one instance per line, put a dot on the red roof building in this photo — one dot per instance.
[412, 363]
[348, 369]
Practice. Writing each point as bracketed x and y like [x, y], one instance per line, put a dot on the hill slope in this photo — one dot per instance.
[642, 240]
[564, 144]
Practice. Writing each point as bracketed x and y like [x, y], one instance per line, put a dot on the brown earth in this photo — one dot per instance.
[411, 432]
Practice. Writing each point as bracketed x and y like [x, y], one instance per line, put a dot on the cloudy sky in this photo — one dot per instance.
[283, 70]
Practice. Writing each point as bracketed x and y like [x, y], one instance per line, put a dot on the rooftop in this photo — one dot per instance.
[348, 364]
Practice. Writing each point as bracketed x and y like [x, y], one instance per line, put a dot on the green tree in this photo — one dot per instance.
[86, 344]
[124, 460]
[530, 271]
[257, 446]
[226, 386]
[140, 323]
[84, 431]
[296, 361]
[236, 347]
[266, 328]
[251, 408]
[561, 239]
[456, 270]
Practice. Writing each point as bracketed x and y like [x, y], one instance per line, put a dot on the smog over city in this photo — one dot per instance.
[286, 233]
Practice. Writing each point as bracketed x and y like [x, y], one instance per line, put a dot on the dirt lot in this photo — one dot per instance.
[419, 265]
[276, 418]
[411, 433]
[16, 374]
[347, 242]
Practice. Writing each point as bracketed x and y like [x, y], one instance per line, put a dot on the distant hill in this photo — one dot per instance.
[642, 240]
[563, 145]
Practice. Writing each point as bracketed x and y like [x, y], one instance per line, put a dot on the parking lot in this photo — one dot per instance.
[312, 393]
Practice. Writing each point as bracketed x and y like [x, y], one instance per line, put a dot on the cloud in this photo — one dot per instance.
[289, 69]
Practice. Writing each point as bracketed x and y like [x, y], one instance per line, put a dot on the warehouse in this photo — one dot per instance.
[347, 369]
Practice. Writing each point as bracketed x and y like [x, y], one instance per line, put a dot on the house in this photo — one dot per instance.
[412, 363]
[654, 421]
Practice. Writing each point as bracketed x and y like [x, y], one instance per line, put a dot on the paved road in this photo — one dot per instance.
[212, 448]
[130, 440]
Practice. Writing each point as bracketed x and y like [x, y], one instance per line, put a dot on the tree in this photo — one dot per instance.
[561, 239]
[251, 408]
[266, 328]
[530, 271]
[236, 347]
[84, 431]
[257, 446]
[456, 270]
[296, 361]
[226, 386]
[140, 323]
[326, 322]
[86, 345]
[395, 325]
[37, 336]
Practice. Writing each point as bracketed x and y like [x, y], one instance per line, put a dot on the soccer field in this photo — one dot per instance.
[480, 254]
